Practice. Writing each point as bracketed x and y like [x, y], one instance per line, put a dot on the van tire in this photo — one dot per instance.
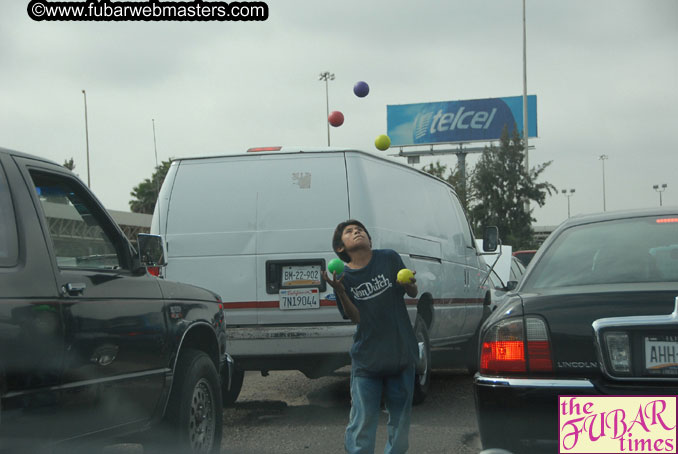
[471, 348]
[231, 395]
[422, 381]
[194, 416]
[471, 353]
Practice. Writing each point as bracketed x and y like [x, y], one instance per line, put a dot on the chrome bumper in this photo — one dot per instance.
[483, 380]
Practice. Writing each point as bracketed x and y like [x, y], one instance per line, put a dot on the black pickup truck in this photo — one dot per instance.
[92, 347]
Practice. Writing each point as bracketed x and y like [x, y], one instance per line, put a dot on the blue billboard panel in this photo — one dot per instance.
[459, 121]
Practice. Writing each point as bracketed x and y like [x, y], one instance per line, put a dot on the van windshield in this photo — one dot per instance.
[622, 251]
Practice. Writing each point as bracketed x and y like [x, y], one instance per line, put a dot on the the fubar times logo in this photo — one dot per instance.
[617, 424]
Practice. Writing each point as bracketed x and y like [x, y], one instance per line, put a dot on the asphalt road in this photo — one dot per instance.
[286, 412]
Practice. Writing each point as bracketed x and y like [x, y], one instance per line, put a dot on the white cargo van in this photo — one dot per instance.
[257, 229]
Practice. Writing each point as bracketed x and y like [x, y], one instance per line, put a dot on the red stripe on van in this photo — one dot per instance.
[330, 303]
[455, 301]
[265, 304]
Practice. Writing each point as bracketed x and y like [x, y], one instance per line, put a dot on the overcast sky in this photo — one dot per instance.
[605, 74]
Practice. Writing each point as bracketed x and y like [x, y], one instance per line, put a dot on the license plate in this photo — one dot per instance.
[293, 276]
[303, 298]
[661, 355]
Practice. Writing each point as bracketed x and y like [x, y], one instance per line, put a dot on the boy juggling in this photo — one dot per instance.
[384, 351]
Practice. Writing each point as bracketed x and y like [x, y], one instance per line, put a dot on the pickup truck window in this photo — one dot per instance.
[79, 238]
[8, 234]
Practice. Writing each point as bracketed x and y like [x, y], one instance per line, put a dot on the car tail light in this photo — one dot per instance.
[619, 351]
[153, 270]
[538, 346]
[516, 346]
[503, 348]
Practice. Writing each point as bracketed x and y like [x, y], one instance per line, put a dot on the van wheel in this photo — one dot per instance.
[231, 395]
[471, 348]
[471, 353]
[194, 412]
[422, 378]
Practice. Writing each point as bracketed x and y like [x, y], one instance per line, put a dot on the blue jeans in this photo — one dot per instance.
[365, 408]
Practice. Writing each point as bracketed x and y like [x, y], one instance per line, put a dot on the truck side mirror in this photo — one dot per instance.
[151, 250]
[490, 239]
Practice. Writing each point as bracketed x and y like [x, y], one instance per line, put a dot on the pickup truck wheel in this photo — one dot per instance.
[231, 395]
[194, 411]
[422, 378]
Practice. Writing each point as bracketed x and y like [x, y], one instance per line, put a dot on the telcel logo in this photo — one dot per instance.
[428, 123]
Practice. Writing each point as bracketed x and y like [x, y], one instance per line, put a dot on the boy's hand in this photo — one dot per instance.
[410, 287]
[335, 283]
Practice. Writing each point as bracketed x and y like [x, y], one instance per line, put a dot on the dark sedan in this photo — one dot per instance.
[595, 314]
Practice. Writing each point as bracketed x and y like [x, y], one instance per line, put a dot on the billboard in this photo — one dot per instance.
[471, 120]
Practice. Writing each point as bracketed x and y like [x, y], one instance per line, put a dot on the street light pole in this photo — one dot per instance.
[327, 76]
[84, 94]
[602, 158]
[659, 189]
[564, 191]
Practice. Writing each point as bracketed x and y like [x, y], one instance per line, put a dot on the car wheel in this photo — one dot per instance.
[422, 378]
[194, 412]
[231, 395]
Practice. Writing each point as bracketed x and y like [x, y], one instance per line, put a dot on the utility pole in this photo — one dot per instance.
[87, 138]
[525, 127]
[602, 158]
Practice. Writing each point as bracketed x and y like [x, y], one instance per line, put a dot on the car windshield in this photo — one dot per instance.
[621, 251]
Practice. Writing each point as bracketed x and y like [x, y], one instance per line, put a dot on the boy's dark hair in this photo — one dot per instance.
[336, 238]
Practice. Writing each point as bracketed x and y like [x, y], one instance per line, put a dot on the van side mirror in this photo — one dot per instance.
[151, 250]
[490, 239]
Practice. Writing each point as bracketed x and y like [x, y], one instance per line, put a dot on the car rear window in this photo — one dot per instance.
[621, 251]
[8, 233]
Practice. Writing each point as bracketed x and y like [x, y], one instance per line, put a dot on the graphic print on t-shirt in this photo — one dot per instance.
[368, 290]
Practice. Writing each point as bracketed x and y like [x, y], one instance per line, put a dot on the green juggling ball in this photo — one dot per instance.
[335, 265]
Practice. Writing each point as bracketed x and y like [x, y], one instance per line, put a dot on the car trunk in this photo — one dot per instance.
[570, 316]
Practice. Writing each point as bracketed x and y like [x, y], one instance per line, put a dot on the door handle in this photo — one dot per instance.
[73, 289]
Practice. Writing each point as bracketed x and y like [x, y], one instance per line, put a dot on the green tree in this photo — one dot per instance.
[501, 184]
[69, 164]
[146, 193]
[464, 191]
[436, 169]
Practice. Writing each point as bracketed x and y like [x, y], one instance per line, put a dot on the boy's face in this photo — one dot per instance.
[354, 237]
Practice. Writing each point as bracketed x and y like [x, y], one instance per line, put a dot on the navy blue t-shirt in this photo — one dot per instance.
[384, 342]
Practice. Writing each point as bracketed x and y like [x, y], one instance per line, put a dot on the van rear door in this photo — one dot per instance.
[236, 223]
[301, 199]
[211, 229]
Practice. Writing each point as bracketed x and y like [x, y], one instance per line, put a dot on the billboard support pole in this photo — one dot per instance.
[461, 163]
